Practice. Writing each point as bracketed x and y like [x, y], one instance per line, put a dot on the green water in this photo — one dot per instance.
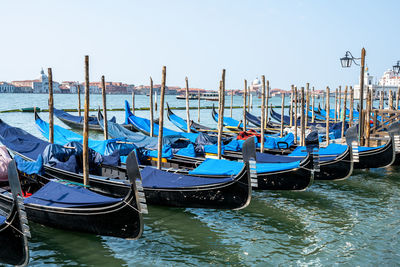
[347, 223]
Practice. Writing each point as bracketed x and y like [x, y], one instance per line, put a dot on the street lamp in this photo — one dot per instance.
[346, 63]
[396, 68]
[348, 59]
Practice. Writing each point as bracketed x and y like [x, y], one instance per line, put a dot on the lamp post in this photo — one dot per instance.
[346, 63]
[396, 68]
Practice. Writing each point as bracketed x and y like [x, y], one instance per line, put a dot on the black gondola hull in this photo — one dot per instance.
[377, 158]
[338, 169]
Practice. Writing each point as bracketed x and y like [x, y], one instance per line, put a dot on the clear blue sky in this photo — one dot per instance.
[290, 42]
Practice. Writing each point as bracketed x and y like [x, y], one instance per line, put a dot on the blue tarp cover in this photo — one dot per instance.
[179, 122]
[187, 151]
[366, 148]
[2, 219]
[30, 167]
[55, 194]
[78, 119]
[144, 124]
[104, 147]
[153, 178]
[218, 167]
[332, 149]
[228, 121]
[274, 167]
[19, 140]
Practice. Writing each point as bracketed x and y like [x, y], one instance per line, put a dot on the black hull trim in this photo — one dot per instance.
[233, 195]
[14, 250]
[295, 179]
[338, 169]
[377, 158]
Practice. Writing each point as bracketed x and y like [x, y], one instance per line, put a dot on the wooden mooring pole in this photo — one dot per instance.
[340, 102]
[397, 98]
[221, 113]
[327, 115]
[231, 101]
[161, 119]
[295, 114]
[282, 112]
[291, 106]
[151, 108]
[368, 117]
[313, 105]
[344, 111]
[85, 153]
[390, 99]
[244, 105]
[103, 93]
[187, 105]
[133, 102]
[266, 104]
[351, 106]
[51, 107]
[303, 117]
[307, 103]
[198, 106]
[336, 103]
[262, 112]
[380, 99]
[79, 100]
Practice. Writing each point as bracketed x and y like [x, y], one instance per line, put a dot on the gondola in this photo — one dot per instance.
[52, 202]
[208, 192]
[372, 157]
[228, 122]
[76, 122]
[256, 121]
[143, 125]
[14, 229]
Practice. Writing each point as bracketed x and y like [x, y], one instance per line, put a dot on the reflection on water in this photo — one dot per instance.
[351, 222]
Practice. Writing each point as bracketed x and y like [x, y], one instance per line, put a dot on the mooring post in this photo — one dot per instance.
[390, 99]
[368, 117]
[221, 113]
[79, 100]
[51, 107]
[397, 98]
[244, 105]
[155, 100]
[262, 112]
[351, 106]
[85, 153]
[291, 107]
[266, 104]
[248, 100]
[151, 108]
[307, 103]
[133, 102]
[336, 103]
[103, 93]
[295, 114]
[340, 102]
[187, 105]
[361, 118]
[198, 106]
[313, 105]
[303, 117]
[328, 107]
[283, 112]
[344, 111]
[161, 119]
[381, 100]
[231, 101]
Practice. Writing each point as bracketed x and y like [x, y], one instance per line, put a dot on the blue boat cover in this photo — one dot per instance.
[2, 219]
[55, 194]
[366, 148]
[78, 119]
[21, 141]
[187, 151]
[271, 158]
[144, 125]
[331, 149]
[275, 167]
[166, 152]
[218, 167]
[140, 140]
[30, 167]
[228, 121]
[154, 178]
[104, 147]
[179, 122]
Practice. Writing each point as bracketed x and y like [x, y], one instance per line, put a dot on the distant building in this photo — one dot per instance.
[40, 85]
[6, 87]
[388, 82]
